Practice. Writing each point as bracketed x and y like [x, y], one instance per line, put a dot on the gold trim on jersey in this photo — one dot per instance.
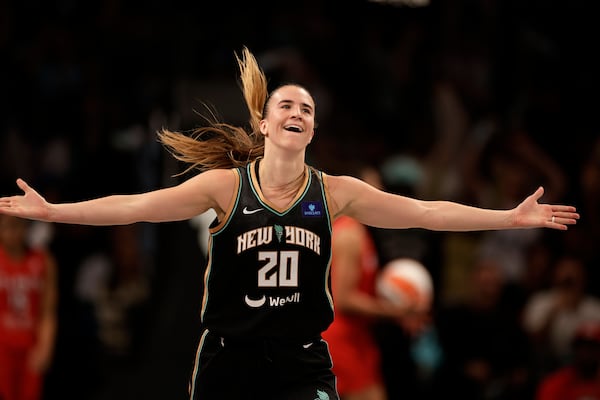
[232, 203]
[330, 217]
[328, 202]
[214, 230]
[254, 181]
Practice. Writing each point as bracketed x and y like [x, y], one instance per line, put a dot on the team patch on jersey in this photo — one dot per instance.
[312, 209]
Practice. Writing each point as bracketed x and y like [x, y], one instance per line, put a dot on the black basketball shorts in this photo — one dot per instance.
[262, 369]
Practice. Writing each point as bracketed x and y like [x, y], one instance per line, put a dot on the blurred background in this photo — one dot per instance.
[474, 101]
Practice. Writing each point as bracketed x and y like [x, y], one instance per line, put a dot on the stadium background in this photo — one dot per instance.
[86, 84]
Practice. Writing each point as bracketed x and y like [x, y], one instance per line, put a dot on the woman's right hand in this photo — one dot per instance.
[29, 205]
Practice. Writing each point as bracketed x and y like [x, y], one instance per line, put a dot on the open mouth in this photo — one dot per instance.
[293, 128]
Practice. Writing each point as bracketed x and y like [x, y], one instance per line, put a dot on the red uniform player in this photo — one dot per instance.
[28, 297]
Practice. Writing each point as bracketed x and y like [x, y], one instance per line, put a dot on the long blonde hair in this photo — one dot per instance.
[219, 144]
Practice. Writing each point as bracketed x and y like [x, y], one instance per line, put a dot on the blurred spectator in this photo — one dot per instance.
[579, 379]
[28, 320]
[354, 349]
[79, 74]
[114, 283]
[355, 354]
[590, 188]
[485, 350]
[16, 156]
[403, 349]
[552, 316]
[584, 239]
[492, 162]
[501, 160]
[536, 275]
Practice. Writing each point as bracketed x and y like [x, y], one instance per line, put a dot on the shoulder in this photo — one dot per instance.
[218, 179]
[342, 190]
[222, 173]
[209, 189]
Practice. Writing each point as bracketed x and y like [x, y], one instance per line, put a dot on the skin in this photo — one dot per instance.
[282, 166]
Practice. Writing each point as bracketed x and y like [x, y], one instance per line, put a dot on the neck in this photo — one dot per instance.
[274, 174]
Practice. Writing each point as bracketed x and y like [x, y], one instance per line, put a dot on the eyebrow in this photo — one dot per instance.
[291, 101]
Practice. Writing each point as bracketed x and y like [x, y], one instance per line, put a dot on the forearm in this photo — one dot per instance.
[110, 210]
[450, 216]
[386, 210]
[399, 213]
[359, 303]
[41, 355]
[47, 335]
[377, 208]
[175, 203]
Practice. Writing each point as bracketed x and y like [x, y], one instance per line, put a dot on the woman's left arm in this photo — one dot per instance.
[353, 197]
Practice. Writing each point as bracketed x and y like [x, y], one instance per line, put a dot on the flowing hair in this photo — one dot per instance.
[219, 144]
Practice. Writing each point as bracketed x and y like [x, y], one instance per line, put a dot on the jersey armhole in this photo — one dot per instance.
[328, 201]
[232, 204]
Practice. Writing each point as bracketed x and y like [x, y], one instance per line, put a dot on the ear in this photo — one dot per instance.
[312, 135]
[263, 127]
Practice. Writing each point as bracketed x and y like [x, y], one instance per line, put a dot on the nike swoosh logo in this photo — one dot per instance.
[248, 212]
[307, 345]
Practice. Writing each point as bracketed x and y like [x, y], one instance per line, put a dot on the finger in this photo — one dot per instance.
[564, 220]
[556, 209]
[560, 223]
[22, 184]
[566, 215]
[538, 193]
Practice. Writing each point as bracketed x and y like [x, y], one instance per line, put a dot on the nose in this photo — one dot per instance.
[297, 111]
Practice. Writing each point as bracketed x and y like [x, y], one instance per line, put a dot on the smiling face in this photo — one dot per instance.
[289, 119]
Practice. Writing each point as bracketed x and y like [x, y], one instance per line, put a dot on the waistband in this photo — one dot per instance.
[228, 340]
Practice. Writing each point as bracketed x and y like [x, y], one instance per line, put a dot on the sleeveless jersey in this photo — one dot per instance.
[21, 285]
[268, 272]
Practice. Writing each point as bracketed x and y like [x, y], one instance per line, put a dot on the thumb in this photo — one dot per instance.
[23, 185]
[538, 193]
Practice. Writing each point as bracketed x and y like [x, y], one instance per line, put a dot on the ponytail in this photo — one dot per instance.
[218, 144]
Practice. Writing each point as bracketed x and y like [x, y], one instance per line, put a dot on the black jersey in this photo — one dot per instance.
[268, 272]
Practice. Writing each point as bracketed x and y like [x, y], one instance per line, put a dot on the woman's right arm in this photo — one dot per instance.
[211, 189]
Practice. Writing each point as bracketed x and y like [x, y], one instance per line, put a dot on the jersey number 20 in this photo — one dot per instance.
[281, 269]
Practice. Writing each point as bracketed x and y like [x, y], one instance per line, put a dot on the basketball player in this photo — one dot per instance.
[28, 296]
[354, 268]
[267, 295]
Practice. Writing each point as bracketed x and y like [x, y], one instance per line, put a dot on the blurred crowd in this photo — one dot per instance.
[473, 101]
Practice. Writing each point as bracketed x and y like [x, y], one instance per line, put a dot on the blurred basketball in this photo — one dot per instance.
[406, 282]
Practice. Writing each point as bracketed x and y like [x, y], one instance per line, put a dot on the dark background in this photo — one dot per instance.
[86, 84]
